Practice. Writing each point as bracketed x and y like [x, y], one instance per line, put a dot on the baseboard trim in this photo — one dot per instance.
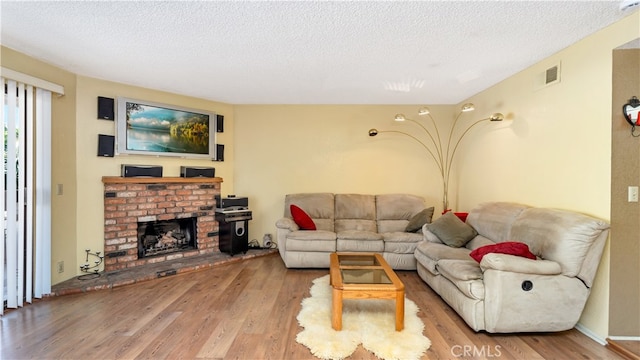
[621, 350]
[624, 338]
[591, 334]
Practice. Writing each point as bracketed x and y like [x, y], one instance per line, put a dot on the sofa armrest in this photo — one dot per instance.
[287, 223]
[517, 264]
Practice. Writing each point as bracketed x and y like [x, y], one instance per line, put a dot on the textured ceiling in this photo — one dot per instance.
[303, 52]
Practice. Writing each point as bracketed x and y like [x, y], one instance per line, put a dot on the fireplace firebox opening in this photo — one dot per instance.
[166, 236]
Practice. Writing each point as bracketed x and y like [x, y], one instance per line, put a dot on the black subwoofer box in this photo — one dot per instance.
[141, 170]
[191, 171]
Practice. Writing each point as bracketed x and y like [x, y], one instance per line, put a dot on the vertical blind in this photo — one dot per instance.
[26, 196]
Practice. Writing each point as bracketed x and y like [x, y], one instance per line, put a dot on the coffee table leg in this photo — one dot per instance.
[399, 310]
[336, 310]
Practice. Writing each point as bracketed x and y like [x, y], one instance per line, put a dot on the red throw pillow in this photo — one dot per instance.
[462, 216]
[507, 247]
[301, 218]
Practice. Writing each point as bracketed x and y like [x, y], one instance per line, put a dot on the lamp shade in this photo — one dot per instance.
[400, 117]
[496, 117]
[468, 107]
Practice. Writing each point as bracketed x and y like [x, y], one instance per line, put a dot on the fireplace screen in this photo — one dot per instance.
[162, 237]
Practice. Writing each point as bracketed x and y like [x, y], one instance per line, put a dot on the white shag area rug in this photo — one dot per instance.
[369, 322]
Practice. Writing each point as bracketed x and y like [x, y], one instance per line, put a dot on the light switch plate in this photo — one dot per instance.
[632, 194]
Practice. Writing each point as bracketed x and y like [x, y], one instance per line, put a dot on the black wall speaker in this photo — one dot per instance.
[106, 145]
[105, 108]
[219, 152]
[140, 170]
[191, 171]
[219, 123]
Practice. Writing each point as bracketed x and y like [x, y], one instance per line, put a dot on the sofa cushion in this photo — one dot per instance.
[493, 219]
[466, 275]
[359, 235]
[426, 262]
[429, 254]
[401, 242]
[402, 237]
[355, 212]
[311, 235]
[342, 225]
[451, 230]
[389, 226]
[324, 224]
[442, 251]
[359, 241]
[393, 211]
[506, 247]
[309, 241]
[319, 207]
[398, 206]
[355, 206]
[559, 235]
[419, 219]
[301, 218]
[478, 241]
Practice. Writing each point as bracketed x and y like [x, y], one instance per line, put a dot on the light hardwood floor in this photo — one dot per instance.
[243, 310]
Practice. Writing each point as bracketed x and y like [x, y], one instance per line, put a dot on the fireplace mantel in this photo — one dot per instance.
[158, 180]
[132, 200]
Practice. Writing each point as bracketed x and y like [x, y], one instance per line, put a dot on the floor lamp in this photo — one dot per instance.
[442, 155]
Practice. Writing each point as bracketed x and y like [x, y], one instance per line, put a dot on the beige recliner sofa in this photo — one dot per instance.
[507, 293]
[350, 222]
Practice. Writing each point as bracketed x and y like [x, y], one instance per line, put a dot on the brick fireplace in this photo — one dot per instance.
[132, 201]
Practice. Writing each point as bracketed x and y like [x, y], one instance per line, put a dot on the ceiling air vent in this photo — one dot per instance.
[548, 77]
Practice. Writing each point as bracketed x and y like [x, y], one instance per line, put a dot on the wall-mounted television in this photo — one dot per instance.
[148, 128]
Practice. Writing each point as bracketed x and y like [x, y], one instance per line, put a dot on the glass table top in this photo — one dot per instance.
[357, 260]
[365, 276]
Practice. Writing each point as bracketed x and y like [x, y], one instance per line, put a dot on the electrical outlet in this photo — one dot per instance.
[60, 267]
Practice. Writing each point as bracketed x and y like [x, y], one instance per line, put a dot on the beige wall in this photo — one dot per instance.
[63, 165]
[91, 168]
[625, 216]
[283, 149]
[557, 152]
[553, 150]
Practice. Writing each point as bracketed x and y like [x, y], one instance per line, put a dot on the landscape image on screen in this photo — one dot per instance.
[157, 129]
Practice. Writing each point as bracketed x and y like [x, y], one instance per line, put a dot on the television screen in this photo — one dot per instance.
[148, 128]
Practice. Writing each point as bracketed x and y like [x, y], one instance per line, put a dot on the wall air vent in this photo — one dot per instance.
[548, 77]
[551, 75]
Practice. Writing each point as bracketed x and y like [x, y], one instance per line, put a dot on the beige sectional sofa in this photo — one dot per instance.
[351, 222]
[507, 293]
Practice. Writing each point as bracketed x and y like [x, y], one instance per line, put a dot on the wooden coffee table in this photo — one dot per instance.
[363, 276]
